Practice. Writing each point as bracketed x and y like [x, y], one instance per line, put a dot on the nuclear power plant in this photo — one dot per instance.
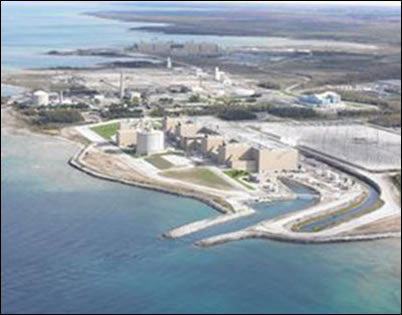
[225, 151]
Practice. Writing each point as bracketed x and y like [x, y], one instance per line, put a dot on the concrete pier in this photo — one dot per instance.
[204, 224]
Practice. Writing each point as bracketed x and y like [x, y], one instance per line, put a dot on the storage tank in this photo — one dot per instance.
[243, 92]
[40, 98]
[150, 142]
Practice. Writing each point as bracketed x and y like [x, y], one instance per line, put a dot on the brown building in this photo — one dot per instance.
[187, 130]
[169, 125]
[210, 144]
[126, 138]
[246, 158]
[277, 160]
[230, 152]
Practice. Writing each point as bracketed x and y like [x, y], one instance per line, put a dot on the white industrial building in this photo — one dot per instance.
[132, 95]
[40, 98]
[150, 142]
[243, 93]
[324, 100]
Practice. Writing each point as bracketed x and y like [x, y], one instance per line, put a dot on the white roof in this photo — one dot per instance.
[39, 93]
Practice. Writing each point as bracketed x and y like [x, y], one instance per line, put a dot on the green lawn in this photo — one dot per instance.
[106, 131]
[237, 175]
[200, 176]
[159, 162]
[157, 124]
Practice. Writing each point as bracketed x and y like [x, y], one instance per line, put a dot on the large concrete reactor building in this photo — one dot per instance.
[169, 125]
[277, 160]
[126, 138]
[150, 142]
[245, 158]
[210, 144]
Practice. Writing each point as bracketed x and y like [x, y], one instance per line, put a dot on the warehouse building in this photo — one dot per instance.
[324, 100]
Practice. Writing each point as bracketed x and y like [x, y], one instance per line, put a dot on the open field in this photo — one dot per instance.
[159, 162]
[360, 26]
[347, 45]
[199, 176]
[106, 131]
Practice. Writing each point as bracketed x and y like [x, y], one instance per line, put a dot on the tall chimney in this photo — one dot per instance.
[122, 85]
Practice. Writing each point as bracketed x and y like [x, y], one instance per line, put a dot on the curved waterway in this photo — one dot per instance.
[264, 211]
[74, 244]
[372, 199]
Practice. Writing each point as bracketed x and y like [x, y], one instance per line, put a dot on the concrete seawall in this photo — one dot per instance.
[75, 162]
[250, 234]
[231, 212]
[204, 224]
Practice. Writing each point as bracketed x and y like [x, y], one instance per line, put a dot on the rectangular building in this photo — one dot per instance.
[169, 125]
[126, 138]
[210, 144]
[229, 152]
[277, 160]
[187, 130]
[245, 158]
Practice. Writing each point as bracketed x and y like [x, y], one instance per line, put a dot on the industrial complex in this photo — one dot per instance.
[228, 140]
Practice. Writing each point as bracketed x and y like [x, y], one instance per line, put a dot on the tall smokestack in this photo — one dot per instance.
[122, 85]
[218, 75]
[169, 63]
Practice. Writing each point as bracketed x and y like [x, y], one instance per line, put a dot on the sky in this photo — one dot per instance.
[354, 3]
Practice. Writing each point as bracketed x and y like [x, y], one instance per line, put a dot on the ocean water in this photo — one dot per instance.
[7, 90]
[74, 244]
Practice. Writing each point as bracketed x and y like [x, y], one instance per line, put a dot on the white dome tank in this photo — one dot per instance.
[150, 142]
[40, 98]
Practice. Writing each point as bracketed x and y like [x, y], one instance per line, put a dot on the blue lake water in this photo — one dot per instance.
[370, 202]
[74, 244]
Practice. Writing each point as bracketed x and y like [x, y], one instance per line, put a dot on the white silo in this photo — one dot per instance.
[40, 98]
[150, 142]
[169, 63]
[218, 74]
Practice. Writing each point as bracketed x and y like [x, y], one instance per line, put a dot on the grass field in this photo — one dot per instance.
[200, 176]
[237, 175]
[106, 131]
[159, 162]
